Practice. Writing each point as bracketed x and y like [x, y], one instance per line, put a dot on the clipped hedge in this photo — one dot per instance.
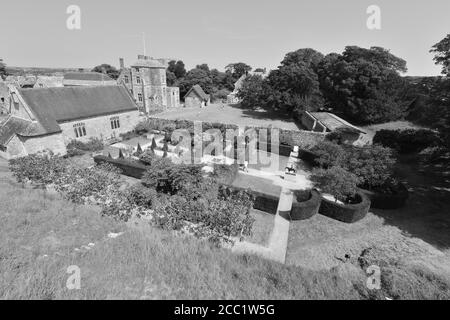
[263, 202]
[128, 168]
[347, 213]
[394, 200]
[305, 209]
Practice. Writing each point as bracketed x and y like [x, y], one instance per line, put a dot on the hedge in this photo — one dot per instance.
[129, 168]
[264, 202]
[388, 200]
[348, 213]
[302, 210]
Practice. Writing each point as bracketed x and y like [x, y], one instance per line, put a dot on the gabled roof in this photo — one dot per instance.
[60, 104]
[87, 76]
[199, 91]
[14, 125]
[333, 122]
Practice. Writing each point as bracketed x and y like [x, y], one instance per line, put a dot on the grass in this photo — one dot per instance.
[262, 185]
[230, 114]
[40, 233]
[262, 227]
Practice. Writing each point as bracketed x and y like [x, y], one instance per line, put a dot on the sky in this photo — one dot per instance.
[33, 33]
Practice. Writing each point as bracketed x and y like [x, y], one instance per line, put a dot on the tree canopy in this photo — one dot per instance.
[442, 54]
[3, 72]
[108, 69]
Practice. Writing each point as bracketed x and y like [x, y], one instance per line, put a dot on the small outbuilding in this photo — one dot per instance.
[196, 97]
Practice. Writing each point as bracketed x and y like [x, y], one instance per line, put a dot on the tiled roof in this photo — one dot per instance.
[199, 91]
[333, 122]
[87, 76]
[54, 105]
[14, 125]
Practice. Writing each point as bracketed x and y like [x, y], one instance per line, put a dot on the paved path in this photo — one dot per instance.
[276, 249]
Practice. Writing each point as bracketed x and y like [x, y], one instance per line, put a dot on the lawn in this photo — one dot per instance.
[262, 227]
[230, 114]
[258, 184]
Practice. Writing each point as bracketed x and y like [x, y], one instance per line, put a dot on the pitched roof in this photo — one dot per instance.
[199, 91]
[87, 76]
[333, 122]
[60, 104]
[14, 125]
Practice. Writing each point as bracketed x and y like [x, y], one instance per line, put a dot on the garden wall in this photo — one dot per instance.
[302, 138]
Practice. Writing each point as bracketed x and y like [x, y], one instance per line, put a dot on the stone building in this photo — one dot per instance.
[196, 98]
[49, 118]
[146, 81]
[87, 79]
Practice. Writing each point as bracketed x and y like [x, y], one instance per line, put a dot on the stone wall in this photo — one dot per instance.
[100, 127]
[302, 138]
[53, 142]
[15, 148]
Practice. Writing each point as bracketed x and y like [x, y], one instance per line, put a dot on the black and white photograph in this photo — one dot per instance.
[225, 158]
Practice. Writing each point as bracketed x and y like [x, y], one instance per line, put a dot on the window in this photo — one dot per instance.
[138, 79]
[140, 97]
[126, 79]
[115, 123]
[79, 129]
[137, 69]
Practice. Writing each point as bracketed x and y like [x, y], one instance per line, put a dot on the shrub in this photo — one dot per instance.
[93, 144]
[336, 181]
[139, 195]
[328, 154]
[80, 185]
[40, 168]
[225, 174]
[407, 141]
[373, 165]
[216, 220]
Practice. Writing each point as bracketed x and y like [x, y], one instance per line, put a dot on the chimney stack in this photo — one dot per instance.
[121, 64]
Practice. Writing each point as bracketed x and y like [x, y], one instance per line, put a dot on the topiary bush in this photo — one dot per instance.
[225, 174]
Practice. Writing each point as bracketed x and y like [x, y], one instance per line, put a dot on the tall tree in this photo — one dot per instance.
[177, 68]
[238, 69]
[442, 54]
[364, 85]
[108, 69]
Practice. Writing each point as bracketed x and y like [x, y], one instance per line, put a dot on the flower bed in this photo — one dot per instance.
[305, 208]
[392, 200]
[348, 213]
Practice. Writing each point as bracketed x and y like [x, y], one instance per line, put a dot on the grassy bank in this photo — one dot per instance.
[41, 235]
